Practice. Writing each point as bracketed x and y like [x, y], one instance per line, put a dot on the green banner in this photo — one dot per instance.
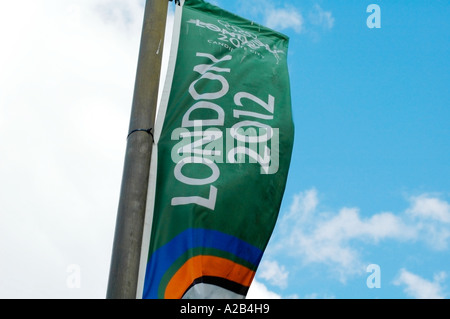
[224, 146]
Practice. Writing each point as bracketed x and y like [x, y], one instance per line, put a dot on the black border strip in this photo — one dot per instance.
[220, 282]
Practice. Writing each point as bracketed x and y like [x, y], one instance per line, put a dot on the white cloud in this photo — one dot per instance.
[335, 239]
[68, 70]
[431, 216]
[277, 18]
[315, 295]
[420, 288]
[328, 238]
[322, 18]
[288, 16]
[284, 18]
[348, 225]
[273, 273]
[259, 291]
[427, 207]
[304, 203]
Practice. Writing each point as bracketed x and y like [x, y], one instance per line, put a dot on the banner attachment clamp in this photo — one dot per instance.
[149, 131]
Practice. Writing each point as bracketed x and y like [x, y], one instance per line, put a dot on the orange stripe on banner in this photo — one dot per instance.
[200, 266]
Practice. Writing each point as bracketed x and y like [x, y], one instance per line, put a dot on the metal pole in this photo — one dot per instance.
[125, 258]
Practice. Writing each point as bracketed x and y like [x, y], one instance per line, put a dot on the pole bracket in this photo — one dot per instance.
[148, 131]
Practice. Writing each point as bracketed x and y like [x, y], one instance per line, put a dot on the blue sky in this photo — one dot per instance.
[370, 163]
[369, 179]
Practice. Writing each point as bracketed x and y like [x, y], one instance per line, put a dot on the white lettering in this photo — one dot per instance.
[186, 122]
[211, 95]
[209, 202]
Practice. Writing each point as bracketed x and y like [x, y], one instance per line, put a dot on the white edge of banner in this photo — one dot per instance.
[161, 114]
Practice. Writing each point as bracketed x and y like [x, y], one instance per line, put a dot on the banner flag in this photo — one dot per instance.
[223, 140]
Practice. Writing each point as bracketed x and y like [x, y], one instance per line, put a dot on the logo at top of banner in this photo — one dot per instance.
[231, 37]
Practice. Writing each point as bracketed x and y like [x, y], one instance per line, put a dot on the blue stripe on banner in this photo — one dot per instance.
[165, 256]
